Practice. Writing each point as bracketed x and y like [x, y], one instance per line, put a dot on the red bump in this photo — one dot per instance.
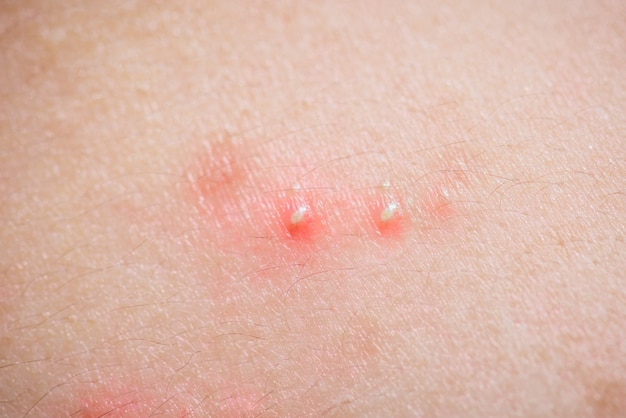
[389, 214]
[300, 217]
[389, 218]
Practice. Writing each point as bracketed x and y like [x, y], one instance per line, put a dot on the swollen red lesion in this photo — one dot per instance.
[393, 225]
[299, 218]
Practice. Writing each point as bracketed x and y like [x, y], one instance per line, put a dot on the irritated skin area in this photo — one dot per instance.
[349, 209]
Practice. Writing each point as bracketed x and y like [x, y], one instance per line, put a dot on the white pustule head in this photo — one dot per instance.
[298, 215]
[389, 211]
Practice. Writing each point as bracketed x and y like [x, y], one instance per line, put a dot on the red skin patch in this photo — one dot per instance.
[245, 403]
[120, 401]
[117, 401]
[299, 217]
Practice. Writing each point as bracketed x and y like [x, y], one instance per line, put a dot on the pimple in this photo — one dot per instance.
[387, 214]
[388, 211]
[298, 215]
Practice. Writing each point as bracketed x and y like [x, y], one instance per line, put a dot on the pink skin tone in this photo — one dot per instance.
[286, 209]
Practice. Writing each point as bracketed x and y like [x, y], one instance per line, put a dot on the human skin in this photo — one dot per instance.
[149, 158]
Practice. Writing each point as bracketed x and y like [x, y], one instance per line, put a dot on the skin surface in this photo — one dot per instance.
[148, 157]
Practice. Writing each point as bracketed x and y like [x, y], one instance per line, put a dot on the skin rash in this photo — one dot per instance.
[285, 209]
[294, 214]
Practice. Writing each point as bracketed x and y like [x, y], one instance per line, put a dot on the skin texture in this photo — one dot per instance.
[148, 157]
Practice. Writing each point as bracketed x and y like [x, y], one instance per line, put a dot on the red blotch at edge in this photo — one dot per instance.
[117, 400]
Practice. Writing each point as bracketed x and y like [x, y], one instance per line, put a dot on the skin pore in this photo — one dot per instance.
[330, 208]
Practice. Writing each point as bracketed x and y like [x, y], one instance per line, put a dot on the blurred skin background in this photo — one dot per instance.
[127, 127]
